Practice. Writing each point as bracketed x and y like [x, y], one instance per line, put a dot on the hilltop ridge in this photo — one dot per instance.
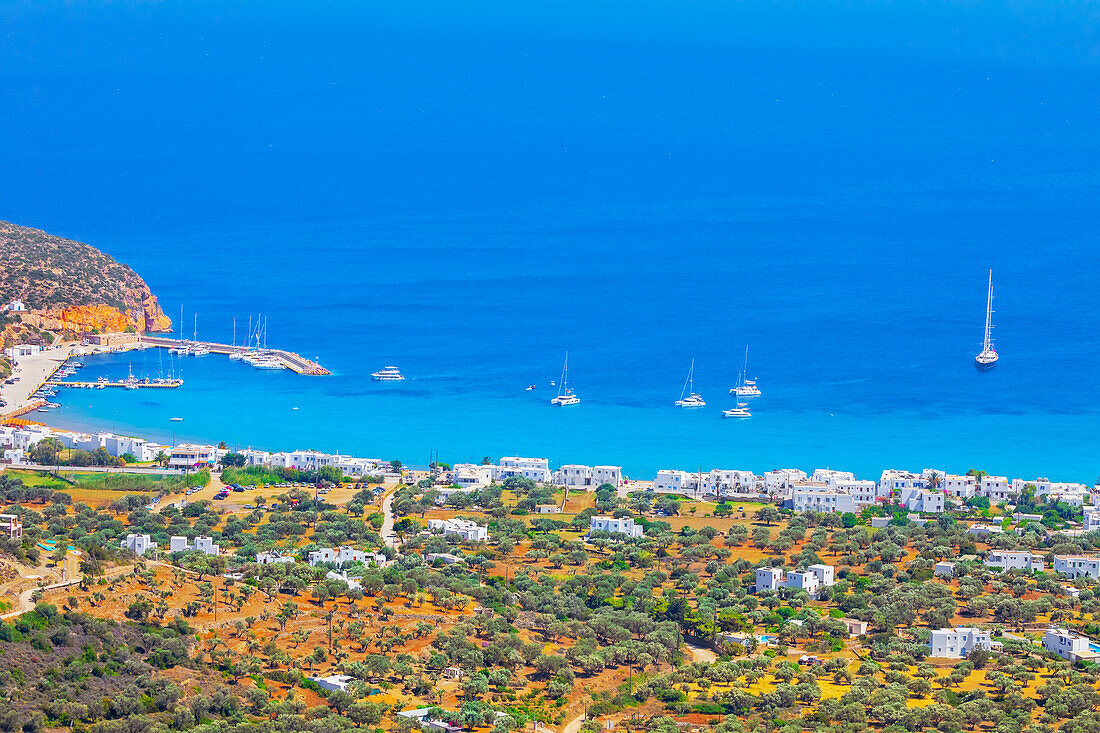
[69, 287]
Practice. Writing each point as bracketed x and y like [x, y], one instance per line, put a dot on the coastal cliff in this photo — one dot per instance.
[70, 288]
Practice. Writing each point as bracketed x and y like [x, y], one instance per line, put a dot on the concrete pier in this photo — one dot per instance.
[289, 359]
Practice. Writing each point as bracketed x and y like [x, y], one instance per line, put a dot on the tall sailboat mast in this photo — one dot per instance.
[987, 359]
[987, 342]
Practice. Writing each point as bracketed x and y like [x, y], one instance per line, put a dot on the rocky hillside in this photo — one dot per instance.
[71, 287]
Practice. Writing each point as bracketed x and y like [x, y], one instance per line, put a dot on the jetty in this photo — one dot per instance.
[292, 361]
[124, 383]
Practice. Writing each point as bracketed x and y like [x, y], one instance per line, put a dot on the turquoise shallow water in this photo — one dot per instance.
[469, 190]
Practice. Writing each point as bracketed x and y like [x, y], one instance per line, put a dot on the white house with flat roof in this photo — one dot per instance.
[1015, 560]
[675, 481]
[139, 544]
[997, 488]
[958, 642]
[469, 476]
[190, 455]
[780, 480]
[575, 475]
[730, 482]
[1077, 565]
[770, 579]
[922, 500]
[960, 487]
[1066, 644]
[536, 469]
[893, 479]
[814, 497]
[275, 558]
[338, 555]
[944, 570]
[624, 526]
[464, 528]
[825, 475]
[205, 545]
[863, 492]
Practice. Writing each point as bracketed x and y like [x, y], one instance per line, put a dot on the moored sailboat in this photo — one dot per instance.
[693, 399]
[565, 395]
[745, 387]
[988, 357]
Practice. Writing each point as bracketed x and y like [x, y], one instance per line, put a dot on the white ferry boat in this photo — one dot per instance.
[389, 374]
[745, 387]
[693, 399]
[742, 410]
[988, 357]
[565, 395]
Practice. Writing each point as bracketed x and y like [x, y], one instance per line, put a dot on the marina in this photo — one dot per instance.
[262, 358]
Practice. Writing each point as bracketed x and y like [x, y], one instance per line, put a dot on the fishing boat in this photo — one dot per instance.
[388, 374]
[693, 399]
[745, 387]
[742, 410]
[988, 357]
[530, 387]
[176, 419]
[565, 395]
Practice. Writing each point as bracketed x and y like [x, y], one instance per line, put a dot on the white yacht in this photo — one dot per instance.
[693, 399]
[988, 357]
[389, 374]
[565, 395]
[742, 410]
[745, 387]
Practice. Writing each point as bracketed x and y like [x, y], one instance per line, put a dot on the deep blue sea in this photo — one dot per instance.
[469, 189]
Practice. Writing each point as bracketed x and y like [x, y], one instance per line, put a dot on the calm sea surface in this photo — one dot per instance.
[468, 190]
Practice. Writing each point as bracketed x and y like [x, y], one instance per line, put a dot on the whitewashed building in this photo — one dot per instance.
[536, 469]
[624, 526]
[780, 480]
[274, 558]
[827, 475]
[674, 481]
[960, 487]
[944, 570]
[1077, 565]
[1066, 644]
[470, 476]
[575, 475]
[922, 500]
[338, 555]
[807, 497]
[997, 488]
[190, 455]
[467, 530]
[1015, 560]
[958, 642]
[770, 579]
[139, 544]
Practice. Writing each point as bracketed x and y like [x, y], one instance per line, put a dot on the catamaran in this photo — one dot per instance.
[745, 387]
[693, 399]
[987, 359]
[742, 410]
[565, 395]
